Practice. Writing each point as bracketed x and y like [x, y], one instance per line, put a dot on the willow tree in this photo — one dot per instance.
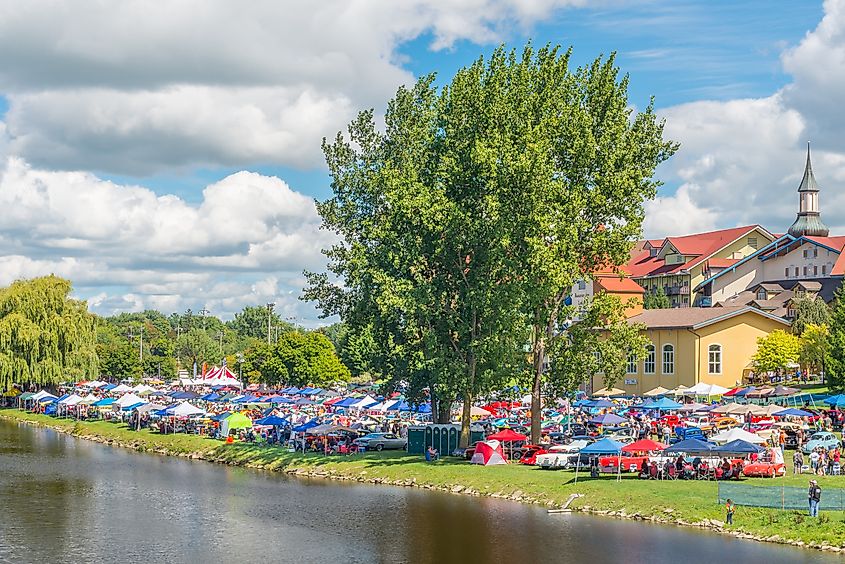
[46, 337]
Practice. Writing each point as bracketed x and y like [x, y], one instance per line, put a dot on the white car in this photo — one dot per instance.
[558, 456]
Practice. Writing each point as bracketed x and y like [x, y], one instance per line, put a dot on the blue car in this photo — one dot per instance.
[821, 439]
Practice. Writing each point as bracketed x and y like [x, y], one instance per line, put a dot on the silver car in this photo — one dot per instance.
[381, 441]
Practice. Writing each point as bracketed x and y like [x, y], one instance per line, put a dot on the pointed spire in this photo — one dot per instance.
[808, 183]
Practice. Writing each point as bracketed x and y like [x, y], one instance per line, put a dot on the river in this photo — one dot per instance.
[70, 500]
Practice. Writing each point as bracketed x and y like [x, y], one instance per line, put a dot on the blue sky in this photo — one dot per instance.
[678, 51]
[162, 160]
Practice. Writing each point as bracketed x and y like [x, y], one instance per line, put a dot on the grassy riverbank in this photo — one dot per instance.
[687, 503]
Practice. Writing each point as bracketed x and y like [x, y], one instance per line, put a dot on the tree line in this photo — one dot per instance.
[47, 337]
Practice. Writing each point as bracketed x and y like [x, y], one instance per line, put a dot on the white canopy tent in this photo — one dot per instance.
[737, 433]
[121, 389]
[186, 410]
[128, 399]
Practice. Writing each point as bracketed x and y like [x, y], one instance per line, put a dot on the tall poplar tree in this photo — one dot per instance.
[46, 337]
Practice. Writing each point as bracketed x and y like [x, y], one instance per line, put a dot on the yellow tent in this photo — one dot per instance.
[13, 393]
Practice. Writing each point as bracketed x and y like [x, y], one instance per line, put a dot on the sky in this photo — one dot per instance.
[167, 155]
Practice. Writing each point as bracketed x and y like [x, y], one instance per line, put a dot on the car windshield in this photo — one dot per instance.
[819, 437]
[372, 436]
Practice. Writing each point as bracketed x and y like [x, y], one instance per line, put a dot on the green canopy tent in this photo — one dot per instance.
[234, 422]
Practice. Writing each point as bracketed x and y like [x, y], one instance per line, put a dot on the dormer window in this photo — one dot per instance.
[761, 294]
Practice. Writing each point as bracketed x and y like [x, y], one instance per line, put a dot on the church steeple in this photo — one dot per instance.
[808, 221]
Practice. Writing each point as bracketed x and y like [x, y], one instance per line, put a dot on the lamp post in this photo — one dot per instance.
[240, 358]
[270, 306]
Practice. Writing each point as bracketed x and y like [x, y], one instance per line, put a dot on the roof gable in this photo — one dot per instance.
[695, 317]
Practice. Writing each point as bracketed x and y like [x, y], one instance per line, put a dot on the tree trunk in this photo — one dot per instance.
[466, 415]
[536, 385]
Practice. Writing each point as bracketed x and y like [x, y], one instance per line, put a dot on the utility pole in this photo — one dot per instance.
[204, 312]
[220, 341]
[270, 306]
[178, 331]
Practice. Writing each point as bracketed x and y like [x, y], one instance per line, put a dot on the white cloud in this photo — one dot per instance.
[741, 160]
[133, 89]
[247, 241]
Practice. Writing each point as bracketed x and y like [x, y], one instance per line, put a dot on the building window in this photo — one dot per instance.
[806, 253]
[649, 362]
[752, 242]
[815, 252]
[824, 270]
[761, 294]
[786, 272]
[632, 364]
[805, 271]
[668, 359]
[815, 270]
[715, 359]
[582, 285]
[796, 272]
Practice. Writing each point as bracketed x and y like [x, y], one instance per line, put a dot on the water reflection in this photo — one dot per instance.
[71, 500]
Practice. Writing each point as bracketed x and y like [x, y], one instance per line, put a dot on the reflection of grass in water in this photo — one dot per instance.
[690, 501]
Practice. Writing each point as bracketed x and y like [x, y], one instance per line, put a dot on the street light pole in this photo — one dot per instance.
[270, 306]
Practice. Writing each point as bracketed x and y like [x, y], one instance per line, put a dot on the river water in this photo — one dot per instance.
[70, 500]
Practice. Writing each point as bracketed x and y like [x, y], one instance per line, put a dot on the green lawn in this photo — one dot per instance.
[688, 501]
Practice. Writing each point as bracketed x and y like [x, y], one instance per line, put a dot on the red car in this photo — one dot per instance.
[530, 452]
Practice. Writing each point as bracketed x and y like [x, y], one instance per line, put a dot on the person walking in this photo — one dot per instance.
[814, 495]
[797, 462]
[729, 507]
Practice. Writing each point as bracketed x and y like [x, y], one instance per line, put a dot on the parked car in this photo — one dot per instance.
[725, 423]
[559, 455]
[683, 433]
[381, 441]
[821, 439]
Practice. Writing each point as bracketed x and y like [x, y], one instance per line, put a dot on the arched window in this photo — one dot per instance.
[714, 357]
[632, 364]
[668, 359]
[650, 361]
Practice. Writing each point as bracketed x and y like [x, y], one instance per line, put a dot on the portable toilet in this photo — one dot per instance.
[417, 439]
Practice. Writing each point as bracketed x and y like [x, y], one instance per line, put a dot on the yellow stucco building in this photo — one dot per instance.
[692, 345]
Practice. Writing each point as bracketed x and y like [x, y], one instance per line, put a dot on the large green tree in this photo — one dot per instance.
[253, 321]
[574, 163]
[776, 351]
[118, 357]
[835, 361]
[297, 358]
[425, 257]
[809, 310]
[814, 347]
[657, 300]
[196, 347]
[46, 337]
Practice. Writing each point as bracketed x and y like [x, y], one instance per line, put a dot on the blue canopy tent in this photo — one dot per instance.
[793, 412]
[305, 401]
[273, 421]
[346, 402]
[211, 397]
[742, 393]
[109, 387]
[835, 401]
[604, 446]
[424, 408]
[280, 399]
[105, 402]
[607, 419]
[220, 416]
[690, 446]
[738, 447]
[601, 403]
[133, 406]
[290, 390]
[663, 404]
[51, 409]
[305, 426]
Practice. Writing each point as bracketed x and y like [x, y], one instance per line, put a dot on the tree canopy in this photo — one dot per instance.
[776, 351]
[46, 337]
[657, 300]
[299, 359]
[466, 221]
